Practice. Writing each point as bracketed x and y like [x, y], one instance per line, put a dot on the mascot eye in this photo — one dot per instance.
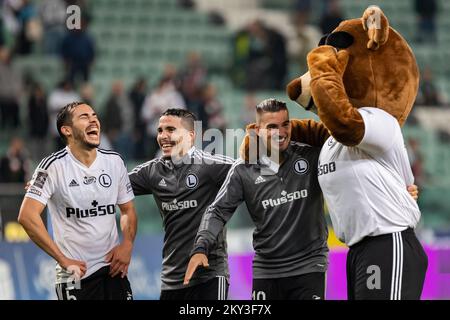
[339, 40]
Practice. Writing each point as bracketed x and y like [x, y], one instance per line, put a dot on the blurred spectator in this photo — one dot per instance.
[186, 4]
[192, 79]
[11, 84]
[14, 166]
[248, 112]
[216, 18]
[137, 96]
[87, 93]
[213, 109]
[302, 12]
[332, 16]
[278, 55]
[260, 60]
[416, 161]
[2, 33]
[426, 27]
[78, 53]
[428, 94]
[9, 10]
[118, 120]
[30, 29]
[38, 121]
[165, 96]
[57, 99]
[53, 16]
[308, 35]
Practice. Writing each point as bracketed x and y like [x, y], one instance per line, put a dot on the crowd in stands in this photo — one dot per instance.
[260, 61]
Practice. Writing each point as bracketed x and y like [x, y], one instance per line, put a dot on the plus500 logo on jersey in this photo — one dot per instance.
[285, 198]
[94, 212]
[174, 205]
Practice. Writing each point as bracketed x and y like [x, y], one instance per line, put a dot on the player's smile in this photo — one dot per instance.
[93, 132]
[281, 140]
[167, 146]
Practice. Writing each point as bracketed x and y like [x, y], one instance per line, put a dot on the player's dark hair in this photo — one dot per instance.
[64, 117]
[270, 105]
[186, 116]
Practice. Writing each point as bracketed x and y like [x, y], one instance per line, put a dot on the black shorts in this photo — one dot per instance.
[387, 267]
[214, 289]
[309, 286]
[98, 286]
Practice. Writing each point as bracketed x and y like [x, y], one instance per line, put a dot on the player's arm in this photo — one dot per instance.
[120, 256]
[229, 197]
[218, 171]
[31, 220]
[140, 179]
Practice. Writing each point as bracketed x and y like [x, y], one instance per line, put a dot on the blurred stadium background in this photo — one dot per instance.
[219, 58]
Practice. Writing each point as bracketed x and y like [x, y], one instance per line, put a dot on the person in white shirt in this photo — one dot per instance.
[81, 186]
[371, 210]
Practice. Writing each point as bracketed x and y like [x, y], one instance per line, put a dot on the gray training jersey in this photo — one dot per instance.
[290, 238]
[183, 192]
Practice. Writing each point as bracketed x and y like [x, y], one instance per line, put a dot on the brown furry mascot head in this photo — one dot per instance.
[362, 63]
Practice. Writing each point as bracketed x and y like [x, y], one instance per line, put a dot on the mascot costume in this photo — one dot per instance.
[362, 82]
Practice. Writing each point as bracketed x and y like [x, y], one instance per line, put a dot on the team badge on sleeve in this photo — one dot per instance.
[129, 187]
[40, 179]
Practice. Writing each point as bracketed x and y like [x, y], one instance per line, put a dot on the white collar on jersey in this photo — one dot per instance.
[269, 164]
[78, 162]
[184, 158]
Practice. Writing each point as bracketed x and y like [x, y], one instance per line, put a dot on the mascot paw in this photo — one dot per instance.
[326, 59]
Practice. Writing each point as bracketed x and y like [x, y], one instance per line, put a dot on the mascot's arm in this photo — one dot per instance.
[327, 67]
[305, 131]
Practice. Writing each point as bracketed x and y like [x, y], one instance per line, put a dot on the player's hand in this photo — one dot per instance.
[120, 257]
[198, 259]
[75, 267]
[413, 191]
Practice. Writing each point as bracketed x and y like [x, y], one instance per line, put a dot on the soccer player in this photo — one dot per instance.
[184, 182]
[82, 184]
[290, 239]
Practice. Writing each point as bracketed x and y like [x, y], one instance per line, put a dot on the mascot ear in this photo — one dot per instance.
[377, 26]
[323, 40]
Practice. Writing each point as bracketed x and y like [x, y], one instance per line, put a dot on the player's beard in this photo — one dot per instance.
[272, 149]
[80, 137]
[179, 148]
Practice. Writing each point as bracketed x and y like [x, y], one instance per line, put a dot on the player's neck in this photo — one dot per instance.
[85, 156]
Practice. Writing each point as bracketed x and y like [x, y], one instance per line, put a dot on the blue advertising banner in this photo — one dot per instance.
[27, 273]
